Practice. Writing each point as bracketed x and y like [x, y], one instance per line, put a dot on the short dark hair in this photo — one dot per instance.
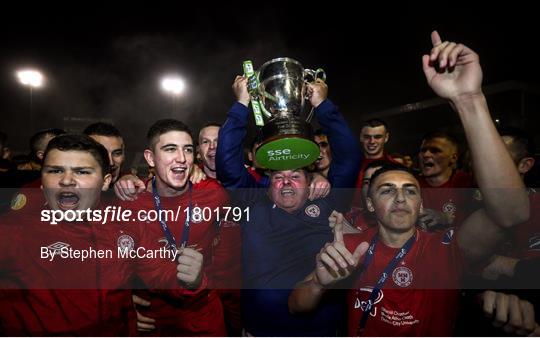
[444, 135]
[37, 140]
[102, 129]
[319, 132]
[396, 155]
[385, 167]
[164, 126]
[210, 124]
[84, 143]
[257, 139]
[373, 123]
[375, 164]
[523, 146]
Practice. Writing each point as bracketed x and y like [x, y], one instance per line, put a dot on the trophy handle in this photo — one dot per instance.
[262, 93]
[311, 75]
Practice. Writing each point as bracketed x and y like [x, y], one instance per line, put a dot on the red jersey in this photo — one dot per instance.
[257, 175]
[421, 296]
[360, 218]
[200, 316]
[453, 198]
[46, 296]
[33, 184]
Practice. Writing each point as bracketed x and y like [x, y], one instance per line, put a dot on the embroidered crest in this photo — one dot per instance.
[449, 210]
[125, 242]
[313, 210]
[449, 207]
[18, 202]
[196, 215]
[402, 276]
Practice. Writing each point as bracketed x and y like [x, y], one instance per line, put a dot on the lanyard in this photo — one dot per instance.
[384, 276]
[166, 231]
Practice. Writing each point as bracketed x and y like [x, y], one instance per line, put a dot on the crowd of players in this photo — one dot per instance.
[362, 242]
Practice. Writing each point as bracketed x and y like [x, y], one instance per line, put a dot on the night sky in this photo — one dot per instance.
[105, 61]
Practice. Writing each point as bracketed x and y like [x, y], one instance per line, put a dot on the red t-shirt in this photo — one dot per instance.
[40, 296]
[198, 316]
[420, 298]
[68, 295]
[453, 198]
[360, 218]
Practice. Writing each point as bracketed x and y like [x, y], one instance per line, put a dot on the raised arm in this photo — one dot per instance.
[346, 153]
[230, 168]
[453, 71]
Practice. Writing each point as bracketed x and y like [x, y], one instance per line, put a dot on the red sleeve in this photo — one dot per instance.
[157, 273]
[9, 241]
[353, 240]
[226, 269]
[160, 276]
[214, 192]
[448, 255]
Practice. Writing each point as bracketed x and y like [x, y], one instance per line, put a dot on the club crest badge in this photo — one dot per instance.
[125, 243]
[313, 210]
[402, 276]
[449, 207]
[18, 202]
[196, 215]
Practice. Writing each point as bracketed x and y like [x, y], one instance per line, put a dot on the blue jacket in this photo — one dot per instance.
[278, 247]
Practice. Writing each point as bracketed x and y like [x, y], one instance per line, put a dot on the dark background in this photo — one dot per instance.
[105, 61]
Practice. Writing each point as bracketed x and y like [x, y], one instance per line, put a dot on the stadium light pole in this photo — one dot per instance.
[31, 78]
[174, 86]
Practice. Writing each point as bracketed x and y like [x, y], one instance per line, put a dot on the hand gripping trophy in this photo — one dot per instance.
[278, 93]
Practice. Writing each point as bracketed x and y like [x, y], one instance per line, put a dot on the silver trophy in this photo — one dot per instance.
[278, 91]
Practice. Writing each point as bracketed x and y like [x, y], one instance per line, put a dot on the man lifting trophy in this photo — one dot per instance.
[278, 93]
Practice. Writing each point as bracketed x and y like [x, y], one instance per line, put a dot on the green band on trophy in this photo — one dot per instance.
[278, 94]
[248, 68]
[253, 86]
[287, 153]
[255, 105]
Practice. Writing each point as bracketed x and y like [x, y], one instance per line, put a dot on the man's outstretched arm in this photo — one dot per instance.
[230, 168]
[453, 71]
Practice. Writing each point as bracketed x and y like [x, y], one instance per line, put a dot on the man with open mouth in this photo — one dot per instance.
[171, 152]
[447, 190]
[285, 228]
[405, 282]
[74, 296]
[322, 165]
[109, 136]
